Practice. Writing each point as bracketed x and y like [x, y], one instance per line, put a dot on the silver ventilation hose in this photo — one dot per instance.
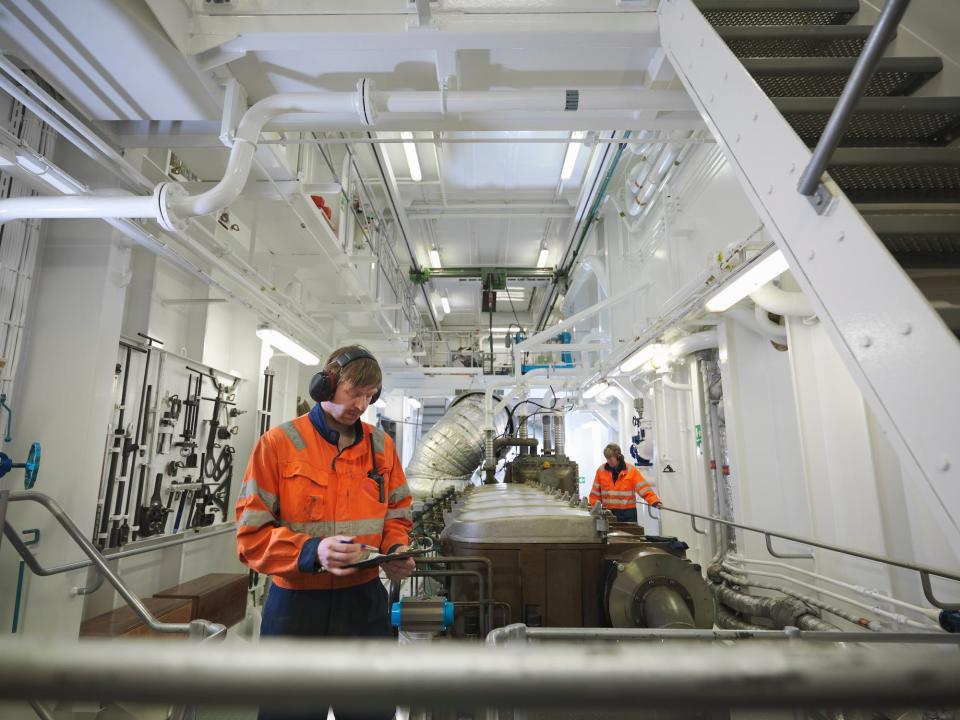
[453, 448]
[522, 431]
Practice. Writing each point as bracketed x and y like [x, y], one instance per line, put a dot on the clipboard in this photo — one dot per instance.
[375, 559]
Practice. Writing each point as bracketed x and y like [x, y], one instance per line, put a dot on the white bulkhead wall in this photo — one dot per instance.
[806, 456]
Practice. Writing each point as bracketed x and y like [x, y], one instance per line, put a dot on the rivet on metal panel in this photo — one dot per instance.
[726, 75]
[756, 116]
[866, 341]
[812, 254]
[906, 329]
[711, 98]
[620, 567]
[770, 190]
[738, 137]
[841, 237]
[944, 464]
[793, 169]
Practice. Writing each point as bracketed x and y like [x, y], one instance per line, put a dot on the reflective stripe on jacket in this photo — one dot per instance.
[298, 487]
[621, 494]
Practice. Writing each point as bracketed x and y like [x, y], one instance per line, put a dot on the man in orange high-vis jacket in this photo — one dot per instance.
[616, 485]
[317, 492]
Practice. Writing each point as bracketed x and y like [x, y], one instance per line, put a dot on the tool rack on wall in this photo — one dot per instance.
[169, 454]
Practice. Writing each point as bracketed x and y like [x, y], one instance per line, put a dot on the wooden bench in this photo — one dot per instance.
[218, 597]
[124, 622]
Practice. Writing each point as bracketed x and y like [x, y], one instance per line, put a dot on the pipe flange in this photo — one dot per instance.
[165, 194]
[364, 102]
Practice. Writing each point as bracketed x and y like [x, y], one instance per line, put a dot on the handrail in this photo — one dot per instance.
[198, 629]
[518, 632]
[925, 570]
[182, 540]
[810, 181]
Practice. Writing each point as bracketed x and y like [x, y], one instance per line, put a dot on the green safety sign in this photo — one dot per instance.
[699, 435]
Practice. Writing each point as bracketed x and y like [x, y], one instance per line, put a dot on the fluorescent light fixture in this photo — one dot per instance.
[281, 342]
[445, 304]
[638, 358]
[595, 390]
[542, 260]
[435, 258]
[31, 165]
[756, 277]
[570, 159]
[410, 150]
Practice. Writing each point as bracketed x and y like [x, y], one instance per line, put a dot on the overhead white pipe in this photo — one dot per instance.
[171, 206]
[667, 382]
[768, 326]
[534, 341]
[695, 342]
[781, 302]
[750, 321]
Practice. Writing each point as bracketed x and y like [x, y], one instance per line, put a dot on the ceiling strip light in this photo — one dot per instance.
[570, 159]
[287, 346]
[435, 258]
[542, 260]
[756, 277]
[445, 304]
[413, 162]
[595, 390]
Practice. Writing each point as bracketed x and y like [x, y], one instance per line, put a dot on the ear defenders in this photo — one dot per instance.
[324, 383]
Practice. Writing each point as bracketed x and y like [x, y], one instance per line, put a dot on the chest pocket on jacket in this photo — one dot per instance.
[303, 491]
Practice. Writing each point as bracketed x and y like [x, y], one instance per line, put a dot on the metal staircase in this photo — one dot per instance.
[881, 260]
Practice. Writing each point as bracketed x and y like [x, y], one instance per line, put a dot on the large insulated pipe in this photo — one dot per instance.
[522, 432]
[547, 434]
[558, 435]
[453, 448]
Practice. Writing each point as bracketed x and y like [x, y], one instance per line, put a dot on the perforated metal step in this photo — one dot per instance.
[878, 122]
[796, 40]
[778, 12]
[920, 240]
[826, 77]
[898, 175]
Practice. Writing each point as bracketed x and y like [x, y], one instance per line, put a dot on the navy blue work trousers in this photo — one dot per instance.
[353, 612]
[628, 515]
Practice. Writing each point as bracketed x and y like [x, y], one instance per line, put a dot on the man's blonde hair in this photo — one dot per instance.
[362, 372]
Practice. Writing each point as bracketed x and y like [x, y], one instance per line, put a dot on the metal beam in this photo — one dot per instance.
[468, 272]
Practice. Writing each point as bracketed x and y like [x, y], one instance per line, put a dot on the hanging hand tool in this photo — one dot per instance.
[153, 518]
[120, 436]
[120, 532]
[138, 508]
[168, 423]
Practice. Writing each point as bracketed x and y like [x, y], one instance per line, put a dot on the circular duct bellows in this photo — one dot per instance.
[658, 590]
[453, 448]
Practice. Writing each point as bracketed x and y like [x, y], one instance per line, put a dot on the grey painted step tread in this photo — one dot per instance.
[898, 175]
[878, 121]
[778, 12]
[796, 40]
[826, 77]
[919, 240]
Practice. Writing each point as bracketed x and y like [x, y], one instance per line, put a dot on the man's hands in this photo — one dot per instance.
[336, 551]
[658, 504]
[397, 570]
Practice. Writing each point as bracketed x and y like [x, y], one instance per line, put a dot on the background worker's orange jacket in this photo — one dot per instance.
[621, 494]
[299, 489]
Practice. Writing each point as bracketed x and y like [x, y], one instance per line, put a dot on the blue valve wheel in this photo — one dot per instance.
[31, 466]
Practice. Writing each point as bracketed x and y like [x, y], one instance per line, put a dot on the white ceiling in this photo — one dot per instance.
[481, 204]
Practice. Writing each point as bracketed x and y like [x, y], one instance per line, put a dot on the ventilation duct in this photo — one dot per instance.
[451, 450]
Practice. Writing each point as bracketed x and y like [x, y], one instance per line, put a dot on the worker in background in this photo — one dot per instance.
[319, 491]
[616, 485]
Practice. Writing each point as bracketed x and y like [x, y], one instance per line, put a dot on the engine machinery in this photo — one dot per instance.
[555, 562]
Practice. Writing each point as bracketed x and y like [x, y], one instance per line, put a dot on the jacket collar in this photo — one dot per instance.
[615, 471]
[319, 421]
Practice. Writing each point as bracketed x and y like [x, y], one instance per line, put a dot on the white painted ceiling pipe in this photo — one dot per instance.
[782, 302]
[78, 206]
[171, 206]
[694, 342]
[768, 326]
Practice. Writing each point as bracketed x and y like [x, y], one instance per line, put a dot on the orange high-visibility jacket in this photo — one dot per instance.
[298, 488]
[621, 494]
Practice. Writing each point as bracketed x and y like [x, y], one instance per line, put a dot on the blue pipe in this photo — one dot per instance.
[16, 602]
